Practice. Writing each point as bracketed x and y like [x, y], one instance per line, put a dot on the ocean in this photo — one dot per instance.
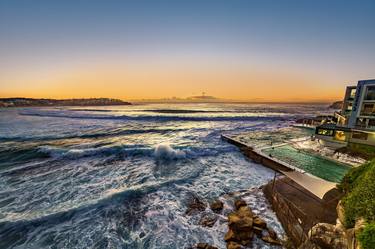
[122, 176]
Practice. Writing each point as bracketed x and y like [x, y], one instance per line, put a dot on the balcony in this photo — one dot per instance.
[368, 114]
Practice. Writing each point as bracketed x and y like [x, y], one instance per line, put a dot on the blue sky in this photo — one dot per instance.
[329, 41]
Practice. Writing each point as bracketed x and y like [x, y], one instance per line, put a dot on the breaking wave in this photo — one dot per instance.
[166, 152]
[159, 152]
[158, 118]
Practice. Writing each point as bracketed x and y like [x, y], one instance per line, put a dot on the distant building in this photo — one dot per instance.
[356, 120]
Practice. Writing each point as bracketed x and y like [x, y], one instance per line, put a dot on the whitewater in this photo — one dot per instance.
[121, 177]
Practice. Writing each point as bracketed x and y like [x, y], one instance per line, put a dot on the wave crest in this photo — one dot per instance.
[166, 152]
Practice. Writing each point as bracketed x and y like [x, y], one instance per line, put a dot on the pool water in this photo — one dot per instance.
[313, 164]
[263, 138]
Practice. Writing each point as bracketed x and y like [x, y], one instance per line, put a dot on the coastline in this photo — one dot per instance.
[31, 102]
[298, 205]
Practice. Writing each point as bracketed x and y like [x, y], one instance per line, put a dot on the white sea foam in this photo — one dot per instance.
[166, 152]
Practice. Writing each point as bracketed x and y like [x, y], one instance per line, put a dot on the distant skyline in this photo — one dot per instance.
[240, 50]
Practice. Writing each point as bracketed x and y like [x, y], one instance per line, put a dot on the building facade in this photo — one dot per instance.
[356, 120]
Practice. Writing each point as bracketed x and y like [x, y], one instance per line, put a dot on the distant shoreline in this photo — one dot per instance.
[31, 102]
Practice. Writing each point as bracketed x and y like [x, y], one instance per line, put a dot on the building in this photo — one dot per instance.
[356, 120]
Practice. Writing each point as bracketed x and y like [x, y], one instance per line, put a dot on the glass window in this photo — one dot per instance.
[359, 135]
[370, 94]
[350, 106]
[352, 93]
[371, 122]
[368, 109]
[325, 132]
[361, 122]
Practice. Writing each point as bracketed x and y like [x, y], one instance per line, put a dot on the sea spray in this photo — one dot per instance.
[166, 152]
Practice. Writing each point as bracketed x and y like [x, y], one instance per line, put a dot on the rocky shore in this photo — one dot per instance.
[243, 225]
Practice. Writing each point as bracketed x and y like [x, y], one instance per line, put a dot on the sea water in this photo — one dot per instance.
[121, 177]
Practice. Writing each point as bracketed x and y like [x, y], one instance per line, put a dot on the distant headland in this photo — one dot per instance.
[29, 102]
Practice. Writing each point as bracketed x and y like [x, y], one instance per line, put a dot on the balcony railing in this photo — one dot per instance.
[370, 113]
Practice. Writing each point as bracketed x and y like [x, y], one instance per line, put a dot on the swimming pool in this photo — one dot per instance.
[311, 163]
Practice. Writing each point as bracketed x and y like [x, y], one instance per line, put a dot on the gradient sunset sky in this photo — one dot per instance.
[235, 49]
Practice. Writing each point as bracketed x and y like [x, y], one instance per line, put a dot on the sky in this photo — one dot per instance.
[244, 50]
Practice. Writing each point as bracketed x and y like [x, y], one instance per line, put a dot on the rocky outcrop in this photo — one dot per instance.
[217, 206]
[205, 246]
[336, 105]
[208, 220]
[195, 204]
[329, 236]
[242, 226]
[22, 102]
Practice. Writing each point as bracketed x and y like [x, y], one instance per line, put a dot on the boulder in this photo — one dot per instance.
[243, 237]
[239, 203]
[240, 223]
[233, 245]
[272, 233]
[258, 231]
[359, 225]
[340, 212]
[270, 240]
[327, 236]
[217, 206]
[259, 222]
[229, 236]
[205, 246]
[208, 220]
[245, 211]
[195, 204]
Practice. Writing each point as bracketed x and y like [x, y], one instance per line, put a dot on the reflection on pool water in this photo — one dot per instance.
[313, 164]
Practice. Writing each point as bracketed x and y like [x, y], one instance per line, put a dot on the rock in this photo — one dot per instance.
[239, 236]
[259, 222]
[327, 236]
[359, 225]
[336, 105]
[208, 220]
[202, 245]
[272, 233]
[351, 238]
[239, 203]
[308, 245]
[195, 205]
[233, 245]
[217, 206]
[205, 246]
[211, 247]
[229, 236]
[245, 211]
[240, 223]
[340, 212]
[258, 231]
[270, 240]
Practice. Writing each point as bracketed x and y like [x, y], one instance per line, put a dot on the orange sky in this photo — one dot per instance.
[238, 50]
[155, 80]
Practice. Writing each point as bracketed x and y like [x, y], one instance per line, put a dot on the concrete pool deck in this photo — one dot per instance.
[299, 199]
[315, 185]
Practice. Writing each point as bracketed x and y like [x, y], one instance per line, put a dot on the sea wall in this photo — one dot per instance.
[287, 215]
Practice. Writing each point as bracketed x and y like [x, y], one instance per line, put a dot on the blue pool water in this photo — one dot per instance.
[313, 164]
